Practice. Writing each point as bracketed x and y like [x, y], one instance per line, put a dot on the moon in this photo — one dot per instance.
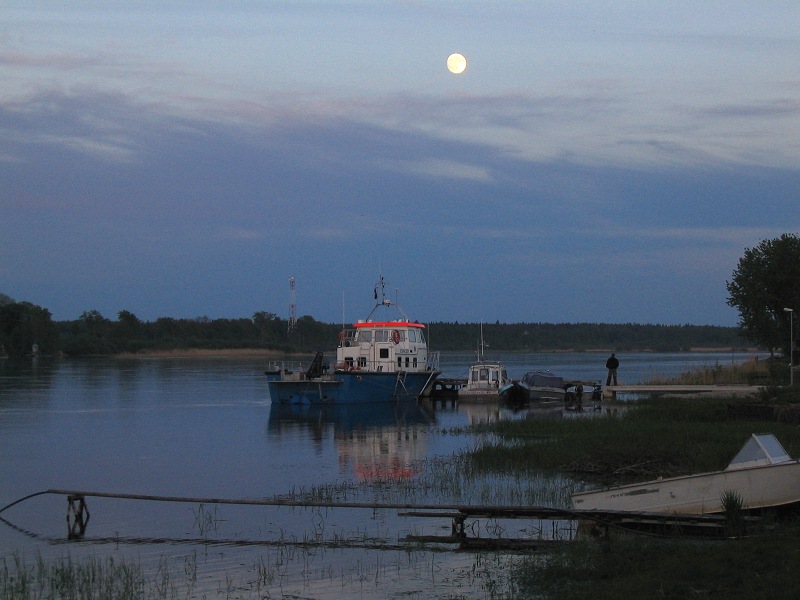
[456, 63]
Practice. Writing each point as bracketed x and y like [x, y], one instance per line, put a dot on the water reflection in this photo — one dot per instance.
[205, 428]
[374, 442]
[347, 418]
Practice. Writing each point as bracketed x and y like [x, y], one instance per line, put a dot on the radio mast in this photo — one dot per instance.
[292, 305]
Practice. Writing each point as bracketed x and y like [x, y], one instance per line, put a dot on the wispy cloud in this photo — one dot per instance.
[442, 168]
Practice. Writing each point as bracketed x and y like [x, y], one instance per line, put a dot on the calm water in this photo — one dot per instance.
[206, 429]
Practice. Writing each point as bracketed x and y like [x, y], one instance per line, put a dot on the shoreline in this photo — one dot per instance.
[268, 353]
[205, 353]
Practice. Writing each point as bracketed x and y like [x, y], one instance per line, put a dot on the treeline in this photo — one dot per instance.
[26, 328]
[538, 337]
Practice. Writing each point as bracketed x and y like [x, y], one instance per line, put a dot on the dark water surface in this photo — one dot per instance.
[206, 429]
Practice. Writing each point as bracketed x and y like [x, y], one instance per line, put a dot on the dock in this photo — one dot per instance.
[446, 388]
[600, 522]
[612, 391]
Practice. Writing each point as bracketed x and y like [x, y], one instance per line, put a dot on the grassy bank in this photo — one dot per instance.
[650, 438]
[763, 567]
[659, 437]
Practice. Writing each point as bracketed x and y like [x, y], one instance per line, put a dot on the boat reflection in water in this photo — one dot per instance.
[378, 441]
[493, 412]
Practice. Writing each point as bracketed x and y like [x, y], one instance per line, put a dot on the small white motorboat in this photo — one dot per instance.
[762, 475]
[485, 379]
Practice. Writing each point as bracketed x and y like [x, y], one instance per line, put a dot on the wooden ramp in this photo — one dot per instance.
[611, 391]
[458, 515]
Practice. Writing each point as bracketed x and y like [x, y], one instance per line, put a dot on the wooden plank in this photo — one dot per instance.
[732, 389]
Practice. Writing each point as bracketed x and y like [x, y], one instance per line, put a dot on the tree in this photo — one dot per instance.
[767, 280]
[22, 325]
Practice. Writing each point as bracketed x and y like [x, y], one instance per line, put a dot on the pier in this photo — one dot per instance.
[611, 391]
[600, 522]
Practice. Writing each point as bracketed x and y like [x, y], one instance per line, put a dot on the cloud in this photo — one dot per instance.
[196, 202]
[443, 168]
[46, 61]
[775, 109]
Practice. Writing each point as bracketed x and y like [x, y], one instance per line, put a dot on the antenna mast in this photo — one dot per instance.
[292, 305]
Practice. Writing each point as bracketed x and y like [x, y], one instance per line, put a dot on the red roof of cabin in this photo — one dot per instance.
[392, 324]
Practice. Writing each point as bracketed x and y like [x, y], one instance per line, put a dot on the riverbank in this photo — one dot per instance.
[271, 353]
[659, 437]
[204, 353]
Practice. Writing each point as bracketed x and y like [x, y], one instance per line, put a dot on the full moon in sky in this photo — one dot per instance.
[456, 63]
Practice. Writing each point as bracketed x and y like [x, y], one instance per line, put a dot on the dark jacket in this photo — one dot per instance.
[612, 362]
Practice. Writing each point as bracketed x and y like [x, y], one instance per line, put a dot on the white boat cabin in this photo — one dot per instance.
[486, 376]
[384, 346]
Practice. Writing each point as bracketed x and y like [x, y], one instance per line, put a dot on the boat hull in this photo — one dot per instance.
[519, 392]
[478, 396]
[348, 387]
[759, 487]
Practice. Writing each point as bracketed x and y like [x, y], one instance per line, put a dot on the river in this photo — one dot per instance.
[205, 428]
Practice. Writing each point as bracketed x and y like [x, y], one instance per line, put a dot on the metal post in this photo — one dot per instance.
[791, 345]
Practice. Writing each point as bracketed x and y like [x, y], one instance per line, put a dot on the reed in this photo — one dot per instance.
[754, 567]
[110, 578]
[69, 580]
[752, 372]
[732, 504]
[660, 437]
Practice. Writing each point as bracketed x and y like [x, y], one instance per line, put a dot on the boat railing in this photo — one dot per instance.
[360, 363]
[286, 366]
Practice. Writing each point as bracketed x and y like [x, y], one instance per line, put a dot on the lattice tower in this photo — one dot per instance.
[292, 305]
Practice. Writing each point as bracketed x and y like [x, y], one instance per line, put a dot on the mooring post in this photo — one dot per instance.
[457, 528]
[77, 516]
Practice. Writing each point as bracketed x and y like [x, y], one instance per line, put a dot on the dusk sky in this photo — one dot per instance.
[596, 162]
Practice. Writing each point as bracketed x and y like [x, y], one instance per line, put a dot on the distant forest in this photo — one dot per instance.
[23, 324]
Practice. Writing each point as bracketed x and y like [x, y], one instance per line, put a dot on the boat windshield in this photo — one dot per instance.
[760, 449]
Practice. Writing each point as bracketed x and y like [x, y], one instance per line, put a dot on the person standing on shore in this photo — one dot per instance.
[612, 364]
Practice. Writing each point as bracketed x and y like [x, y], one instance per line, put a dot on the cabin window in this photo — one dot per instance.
[384, 352]
[415, 362]
[362, 361]
[420, 336]
[399, 362]
[365, 336]
[484, 375]
[407, 362]
[412, 335]
[382, 335]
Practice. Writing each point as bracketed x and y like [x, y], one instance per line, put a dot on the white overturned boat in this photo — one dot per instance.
[762, 474]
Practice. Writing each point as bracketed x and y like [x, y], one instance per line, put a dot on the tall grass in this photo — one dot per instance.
[659, 437]
[69, 580]
[752, 372]
[762, 567]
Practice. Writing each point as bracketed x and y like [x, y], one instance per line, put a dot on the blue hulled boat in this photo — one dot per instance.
[376, 361]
